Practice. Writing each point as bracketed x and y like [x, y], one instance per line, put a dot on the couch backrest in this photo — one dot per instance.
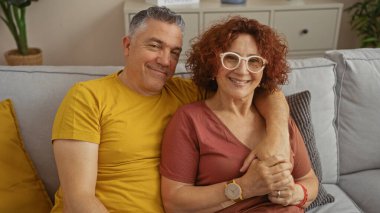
[317, 75]
[36, 92]
[358, 123]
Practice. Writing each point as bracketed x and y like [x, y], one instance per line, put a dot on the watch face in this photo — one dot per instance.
[232, 191]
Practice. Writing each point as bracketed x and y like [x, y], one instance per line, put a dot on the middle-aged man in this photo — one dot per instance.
[107, 132]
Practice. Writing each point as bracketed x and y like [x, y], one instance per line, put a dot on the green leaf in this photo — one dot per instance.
[371, 39]
[365, 20]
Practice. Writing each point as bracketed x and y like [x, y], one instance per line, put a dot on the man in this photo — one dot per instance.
[107, 132]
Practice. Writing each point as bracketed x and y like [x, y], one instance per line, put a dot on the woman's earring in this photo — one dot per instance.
[213, 84]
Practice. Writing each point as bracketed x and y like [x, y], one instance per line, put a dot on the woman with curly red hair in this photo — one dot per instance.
[205, 143]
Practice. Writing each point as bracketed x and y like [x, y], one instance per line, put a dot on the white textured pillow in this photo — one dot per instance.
[317, 75]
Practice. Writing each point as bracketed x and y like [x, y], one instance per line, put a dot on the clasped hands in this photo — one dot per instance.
[271, 176]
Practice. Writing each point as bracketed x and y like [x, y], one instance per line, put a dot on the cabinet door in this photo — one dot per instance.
[191, 29]
[212, 17]
[307, 29]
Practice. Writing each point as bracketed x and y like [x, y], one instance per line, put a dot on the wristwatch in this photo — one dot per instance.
[233, 191]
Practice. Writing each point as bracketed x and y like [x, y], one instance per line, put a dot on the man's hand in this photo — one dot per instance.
[269, 147]
[275, 110]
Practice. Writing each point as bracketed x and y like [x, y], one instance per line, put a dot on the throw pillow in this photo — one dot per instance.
[21, 190]
[299, 105]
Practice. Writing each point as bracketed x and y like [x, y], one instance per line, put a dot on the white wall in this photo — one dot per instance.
[73, 32]
[89, 32]
[347, 38]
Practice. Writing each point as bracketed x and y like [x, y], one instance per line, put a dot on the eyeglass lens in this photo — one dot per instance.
[231, 61]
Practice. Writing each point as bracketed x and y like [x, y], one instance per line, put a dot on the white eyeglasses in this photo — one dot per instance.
[231, 61]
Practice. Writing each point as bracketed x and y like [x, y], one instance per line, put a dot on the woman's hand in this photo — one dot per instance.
[289, 195]
[293, 194]
[263, 177]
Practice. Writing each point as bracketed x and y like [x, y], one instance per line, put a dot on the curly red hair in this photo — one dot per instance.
[203, 58]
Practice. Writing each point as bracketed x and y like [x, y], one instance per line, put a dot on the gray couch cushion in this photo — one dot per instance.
[343, 203]
[299, 105]
[317, 75]
[364, 188]
[358, 91]
[36, 93]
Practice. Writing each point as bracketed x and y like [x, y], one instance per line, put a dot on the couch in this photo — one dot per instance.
[345, 99]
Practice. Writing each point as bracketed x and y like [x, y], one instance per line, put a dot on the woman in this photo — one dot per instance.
[206, 143]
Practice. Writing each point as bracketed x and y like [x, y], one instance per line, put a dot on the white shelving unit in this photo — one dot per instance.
[309, 27]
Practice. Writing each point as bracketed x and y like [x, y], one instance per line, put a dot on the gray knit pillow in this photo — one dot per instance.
[299, 104]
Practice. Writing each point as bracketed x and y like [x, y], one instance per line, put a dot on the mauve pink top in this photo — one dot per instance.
[199, 149]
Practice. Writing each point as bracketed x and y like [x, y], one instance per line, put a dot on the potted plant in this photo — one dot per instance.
[366, 21]
[13, 15]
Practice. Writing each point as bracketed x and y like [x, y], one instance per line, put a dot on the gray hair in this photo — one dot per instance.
[163, 14]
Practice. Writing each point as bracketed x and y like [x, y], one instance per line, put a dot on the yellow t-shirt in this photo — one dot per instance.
[128, 128]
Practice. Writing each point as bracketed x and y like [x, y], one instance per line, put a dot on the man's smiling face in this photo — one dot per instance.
[152, 54]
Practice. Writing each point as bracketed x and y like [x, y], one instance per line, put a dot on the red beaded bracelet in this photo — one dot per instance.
[302, 203]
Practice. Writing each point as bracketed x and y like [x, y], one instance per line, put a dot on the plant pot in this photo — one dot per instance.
[14, 58]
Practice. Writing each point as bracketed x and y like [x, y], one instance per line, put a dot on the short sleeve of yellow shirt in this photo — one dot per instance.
[128, 128]
[78, 116]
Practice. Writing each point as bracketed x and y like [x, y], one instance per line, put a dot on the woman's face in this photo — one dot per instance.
[239, 83]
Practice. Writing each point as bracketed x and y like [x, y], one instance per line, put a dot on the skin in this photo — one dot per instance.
[77, 175]
[232, 103]
[151, 55]
[277, 134]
